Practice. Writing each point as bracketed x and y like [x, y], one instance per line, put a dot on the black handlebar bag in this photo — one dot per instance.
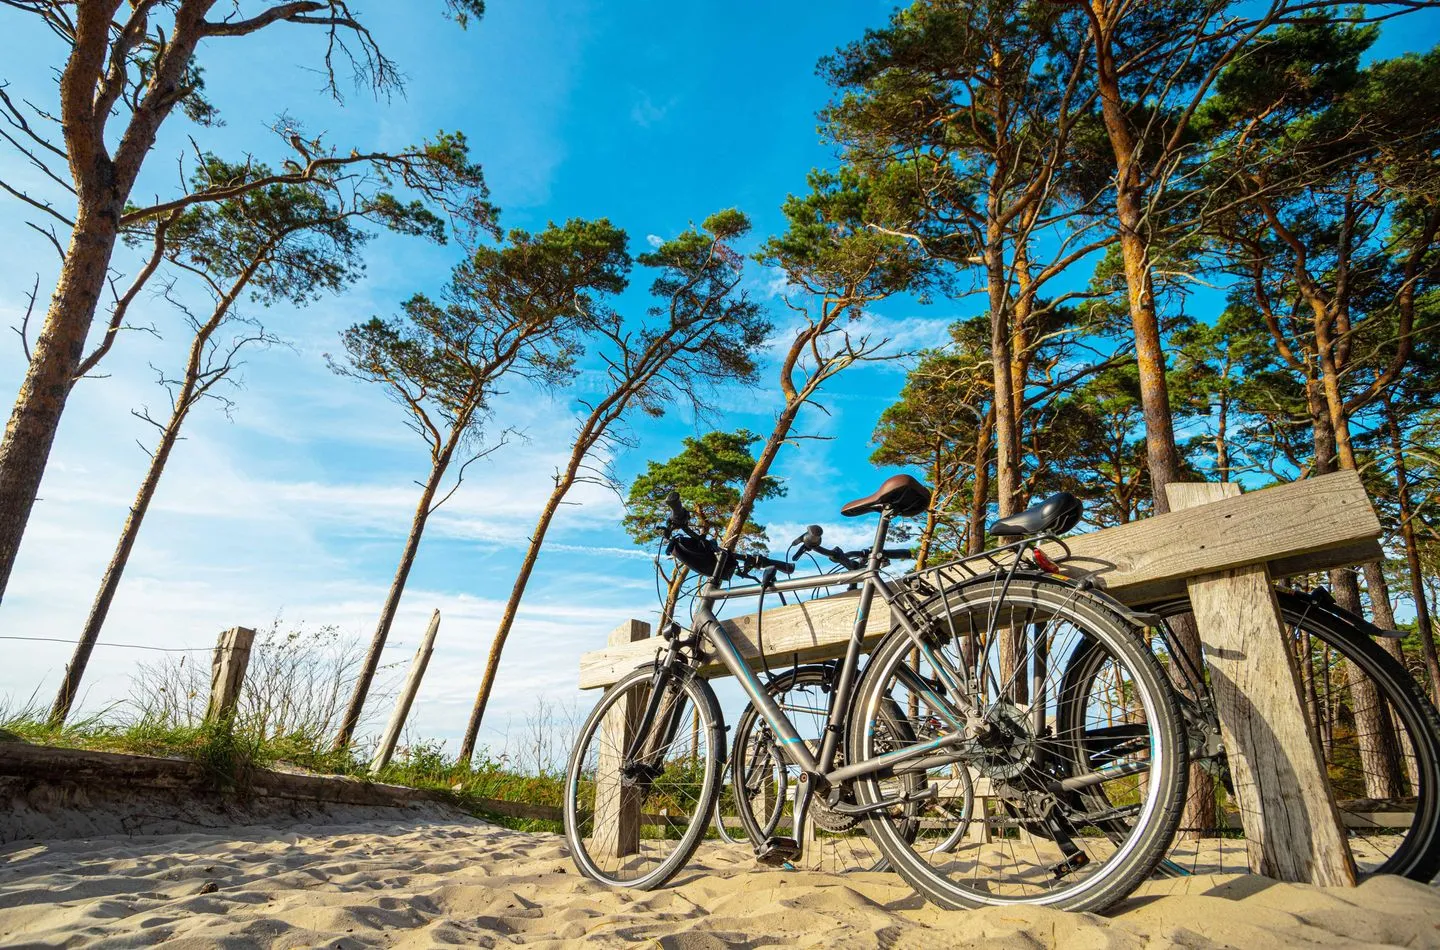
[701, 557]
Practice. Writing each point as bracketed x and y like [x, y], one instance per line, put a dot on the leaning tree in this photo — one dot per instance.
[282, 243]
[129, 68]
[703, 332]
[522, 310]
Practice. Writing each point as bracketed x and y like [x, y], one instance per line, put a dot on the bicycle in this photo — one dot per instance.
[1391, 811]
[642, 780]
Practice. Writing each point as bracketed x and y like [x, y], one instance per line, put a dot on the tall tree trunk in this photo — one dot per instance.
[1161, 455]
[1222, 444]
[192, 389]
[751, 491]
[1163, 458]
[932, 517]
[356, 706]
[102, 187]
[1375, 736]
[980, 491]
[110, 582]
[507, 618]
[590, 433]
[1007, 432]
[35, 418]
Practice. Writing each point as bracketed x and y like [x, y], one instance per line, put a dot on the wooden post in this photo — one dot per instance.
[227, 671]
[1292, 828]
[406, 697]
[613, 809]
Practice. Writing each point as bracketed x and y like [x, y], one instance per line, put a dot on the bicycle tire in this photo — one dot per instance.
[604, 858]
[721, 831]
[1418, 855]
[1160, 779]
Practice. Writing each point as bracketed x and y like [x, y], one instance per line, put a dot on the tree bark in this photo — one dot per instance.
[980, 491]
[563, 483]
[102, 187]
[35, 418]
[356, 706]
[1163, 458]
[1007, 435]
[110, 582]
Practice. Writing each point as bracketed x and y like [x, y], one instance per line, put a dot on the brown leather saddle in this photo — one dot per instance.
[903, 495]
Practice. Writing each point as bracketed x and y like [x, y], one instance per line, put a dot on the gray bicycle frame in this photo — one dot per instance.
[817, 768]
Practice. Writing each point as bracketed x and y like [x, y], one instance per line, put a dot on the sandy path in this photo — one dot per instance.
[423, 883]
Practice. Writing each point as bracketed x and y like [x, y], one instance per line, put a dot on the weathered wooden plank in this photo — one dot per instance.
[613, 808]
[1302, 526]
[227, 671]
[1292, 828]
[1305, 526]
[407, 696]
[813, 630]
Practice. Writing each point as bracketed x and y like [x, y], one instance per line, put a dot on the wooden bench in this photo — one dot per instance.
[1222, 549]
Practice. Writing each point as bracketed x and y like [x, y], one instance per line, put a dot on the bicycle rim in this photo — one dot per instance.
[1044, 845]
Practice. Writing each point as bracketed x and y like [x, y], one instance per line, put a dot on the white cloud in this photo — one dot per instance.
[645, 111]
[654, 240]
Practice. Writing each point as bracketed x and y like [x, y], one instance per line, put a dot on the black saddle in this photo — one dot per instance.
[1055, 515]
[902, 494]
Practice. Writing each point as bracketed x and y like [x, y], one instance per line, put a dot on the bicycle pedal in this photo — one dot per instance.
[777, 852]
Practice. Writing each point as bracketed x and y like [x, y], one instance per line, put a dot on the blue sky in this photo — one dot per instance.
[652, 114]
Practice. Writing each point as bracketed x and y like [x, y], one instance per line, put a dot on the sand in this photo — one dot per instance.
[421, 882]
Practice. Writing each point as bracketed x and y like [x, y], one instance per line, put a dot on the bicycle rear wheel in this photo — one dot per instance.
[1003, 695]
[1379, 737]
[634, 823]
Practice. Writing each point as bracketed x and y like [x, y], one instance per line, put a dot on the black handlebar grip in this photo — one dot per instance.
[678, 515]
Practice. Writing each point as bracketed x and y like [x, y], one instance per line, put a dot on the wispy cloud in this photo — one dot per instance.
[645, 111]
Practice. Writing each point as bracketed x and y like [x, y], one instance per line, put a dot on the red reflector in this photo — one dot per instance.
[1043, 559]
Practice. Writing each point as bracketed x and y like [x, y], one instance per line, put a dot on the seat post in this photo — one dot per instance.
[882, 530]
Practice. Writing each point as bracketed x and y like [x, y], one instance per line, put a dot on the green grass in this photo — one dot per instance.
[230, 753]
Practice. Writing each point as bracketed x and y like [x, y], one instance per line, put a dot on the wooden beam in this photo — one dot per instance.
[407, 696]
[227, 671]
[1309, 525]
[616, 812]
[1292, 828]
[813, 630]
[1302, 527]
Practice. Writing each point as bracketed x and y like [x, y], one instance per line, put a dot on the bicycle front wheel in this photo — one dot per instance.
[635, 821]
[987, 694]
